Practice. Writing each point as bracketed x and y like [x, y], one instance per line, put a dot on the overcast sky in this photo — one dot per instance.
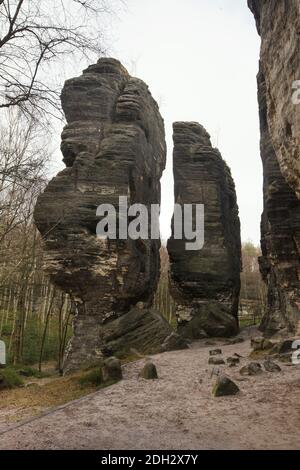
[200, 60]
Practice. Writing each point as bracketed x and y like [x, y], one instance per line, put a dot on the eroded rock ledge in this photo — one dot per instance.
[205, 283]
[113, 145]
[278, 23]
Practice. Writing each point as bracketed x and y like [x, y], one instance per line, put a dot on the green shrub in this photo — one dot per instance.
[92, 377]
[6, 330]
[9, 378]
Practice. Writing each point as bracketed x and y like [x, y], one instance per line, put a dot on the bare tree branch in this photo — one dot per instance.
[38, 33]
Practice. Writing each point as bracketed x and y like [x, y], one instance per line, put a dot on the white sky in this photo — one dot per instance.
[200, 60]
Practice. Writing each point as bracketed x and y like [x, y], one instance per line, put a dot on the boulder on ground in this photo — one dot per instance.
[261, 344]
[285, 346]
[233, 361]
[215, 352]
[149, 371]
[253, 368]
[271, 366]
[216, 361]
[112, 370]
[224, 387]
[174, 342]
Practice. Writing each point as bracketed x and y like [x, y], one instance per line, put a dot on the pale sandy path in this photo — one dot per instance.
[175, 412]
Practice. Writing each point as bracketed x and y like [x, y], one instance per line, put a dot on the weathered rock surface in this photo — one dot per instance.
[285, 346]
[253, 368]
[112, 370]
[224, 387]
[261, 344]
[173, 342]
[144, 330]
[149, 371]
[205, 283]
[233, 361]
[113, 145]
[271, 366]
[215, 352]
[216, 361]
[278, 24]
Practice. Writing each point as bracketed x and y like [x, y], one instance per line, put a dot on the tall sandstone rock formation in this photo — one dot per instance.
[113, 145]
[278, 23]
[205, 283]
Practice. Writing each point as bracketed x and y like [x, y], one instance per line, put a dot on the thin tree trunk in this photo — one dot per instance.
[45, 330]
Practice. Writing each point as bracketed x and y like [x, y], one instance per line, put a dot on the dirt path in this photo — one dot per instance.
[175, 412]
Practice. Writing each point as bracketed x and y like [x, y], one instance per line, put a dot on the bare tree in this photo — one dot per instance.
[25, 293]
[163, 300]
[37, 39]
[36, 34]
[23, 158]
[253, 289]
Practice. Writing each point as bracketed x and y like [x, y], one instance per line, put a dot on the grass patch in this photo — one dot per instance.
[9, 378]
[39, 395]
[27, 371]
[22, 403]
[94, 378]
[91, 378]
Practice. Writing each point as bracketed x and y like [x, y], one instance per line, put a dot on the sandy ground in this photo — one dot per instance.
[175, 412]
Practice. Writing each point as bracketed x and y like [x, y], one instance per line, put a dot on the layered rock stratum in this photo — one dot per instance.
[113, 145]
[205, 283]
[278, 23]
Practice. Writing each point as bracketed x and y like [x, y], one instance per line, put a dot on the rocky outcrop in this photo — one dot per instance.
[278, 23]
[113, 145]
[205, 283]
